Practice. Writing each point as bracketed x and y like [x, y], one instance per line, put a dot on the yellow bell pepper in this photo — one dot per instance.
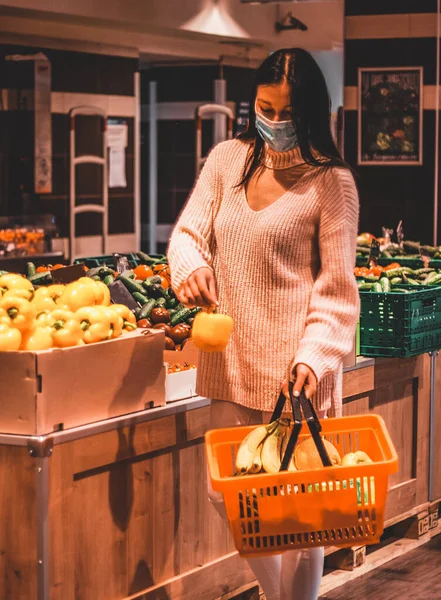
[66, 330]
[54, 291]
[20, 311]
[12, 281]
[95, 324]
[20, 293]
[43, 319]
[78, 294]
[39, 338]
[43, 304]
[116, 322]
[103, 293]
[4, 318]
[211, 331]
[10, 338]
[126, 314]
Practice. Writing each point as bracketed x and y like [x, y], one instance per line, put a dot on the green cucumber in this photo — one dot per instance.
[180, 316]
[151, 280]
[154, 290]
[431, 277]
[194, 312]
[385, 284]
[410, 247]
[161, 303]
[146, 310]
[371, 278]
[429, 250]
[109, 279]
[396, 280]
[93, 272]
[44, 278]
[435, 281]
[376, 287]
[140, 298]
[411, 281]
[172, 303]
[132, 286]
[31, 270]
[394, 272]
[365, 287]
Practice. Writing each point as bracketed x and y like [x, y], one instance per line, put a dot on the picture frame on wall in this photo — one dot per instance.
[390, 116]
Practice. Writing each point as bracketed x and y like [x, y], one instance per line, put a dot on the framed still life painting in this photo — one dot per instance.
[390, 116]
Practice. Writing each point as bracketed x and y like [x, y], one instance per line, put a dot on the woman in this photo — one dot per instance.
[268, 236]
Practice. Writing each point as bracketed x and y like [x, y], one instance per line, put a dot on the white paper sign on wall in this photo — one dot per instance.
[117, 141]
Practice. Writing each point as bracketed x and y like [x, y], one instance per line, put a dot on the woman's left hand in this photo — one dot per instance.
[304, 377]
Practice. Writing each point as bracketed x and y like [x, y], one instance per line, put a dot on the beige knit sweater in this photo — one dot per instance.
[285, 275]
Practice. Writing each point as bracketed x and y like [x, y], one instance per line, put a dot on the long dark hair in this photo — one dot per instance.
[311, 107]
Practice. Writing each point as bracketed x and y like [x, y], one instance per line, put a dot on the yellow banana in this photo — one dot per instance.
[248, 448]
[256, 467]
[271, 450]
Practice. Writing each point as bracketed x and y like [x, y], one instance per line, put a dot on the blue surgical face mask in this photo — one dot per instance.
[281, 136]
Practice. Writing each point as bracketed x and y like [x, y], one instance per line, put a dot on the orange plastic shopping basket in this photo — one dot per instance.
[329, 506]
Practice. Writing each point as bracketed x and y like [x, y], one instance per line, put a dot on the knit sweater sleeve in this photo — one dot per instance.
[334, 305]
[189, 247]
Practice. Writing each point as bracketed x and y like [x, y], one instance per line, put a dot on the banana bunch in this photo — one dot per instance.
[263, 449]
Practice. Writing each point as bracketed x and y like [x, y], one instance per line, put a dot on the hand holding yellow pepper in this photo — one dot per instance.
[211, 331]
[20, 311]
[95, 324]
[10, 338]
[66, 330]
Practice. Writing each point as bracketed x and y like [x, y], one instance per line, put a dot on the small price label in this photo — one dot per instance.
[425, 257]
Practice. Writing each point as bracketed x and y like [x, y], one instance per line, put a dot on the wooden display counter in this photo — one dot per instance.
[119, 509]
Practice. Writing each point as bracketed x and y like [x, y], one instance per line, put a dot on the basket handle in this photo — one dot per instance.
[299, 405]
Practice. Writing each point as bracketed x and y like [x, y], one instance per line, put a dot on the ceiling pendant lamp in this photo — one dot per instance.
[214, 19]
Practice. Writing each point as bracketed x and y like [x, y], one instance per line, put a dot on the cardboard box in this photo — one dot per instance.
[189, 355]
[180, 386]
[63, 388]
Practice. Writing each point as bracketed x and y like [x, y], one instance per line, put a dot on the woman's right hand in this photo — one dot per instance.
[199, 290]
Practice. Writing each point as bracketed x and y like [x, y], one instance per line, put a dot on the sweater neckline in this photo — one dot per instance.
[282, 160]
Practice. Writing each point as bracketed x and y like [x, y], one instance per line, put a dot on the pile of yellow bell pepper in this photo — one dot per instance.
[58, 316]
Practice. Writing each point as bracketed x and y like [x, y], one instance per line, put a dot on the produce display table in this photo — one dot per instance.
[118, 509]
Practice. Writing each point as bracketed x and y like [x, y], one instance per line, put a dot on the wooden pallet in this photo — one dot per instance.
[401, 535]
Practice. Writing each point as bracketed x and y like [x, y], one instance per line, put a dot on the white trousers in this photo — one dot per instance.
[293, 575]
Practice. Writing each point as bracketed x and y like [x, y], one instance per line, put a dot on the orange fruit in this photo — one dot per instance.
[306, 455]
[142, 272]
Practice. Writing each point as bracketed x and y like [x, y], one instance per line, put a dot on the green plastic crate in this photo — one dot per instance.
[412, 263]
[400, 325]
[107, 261]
